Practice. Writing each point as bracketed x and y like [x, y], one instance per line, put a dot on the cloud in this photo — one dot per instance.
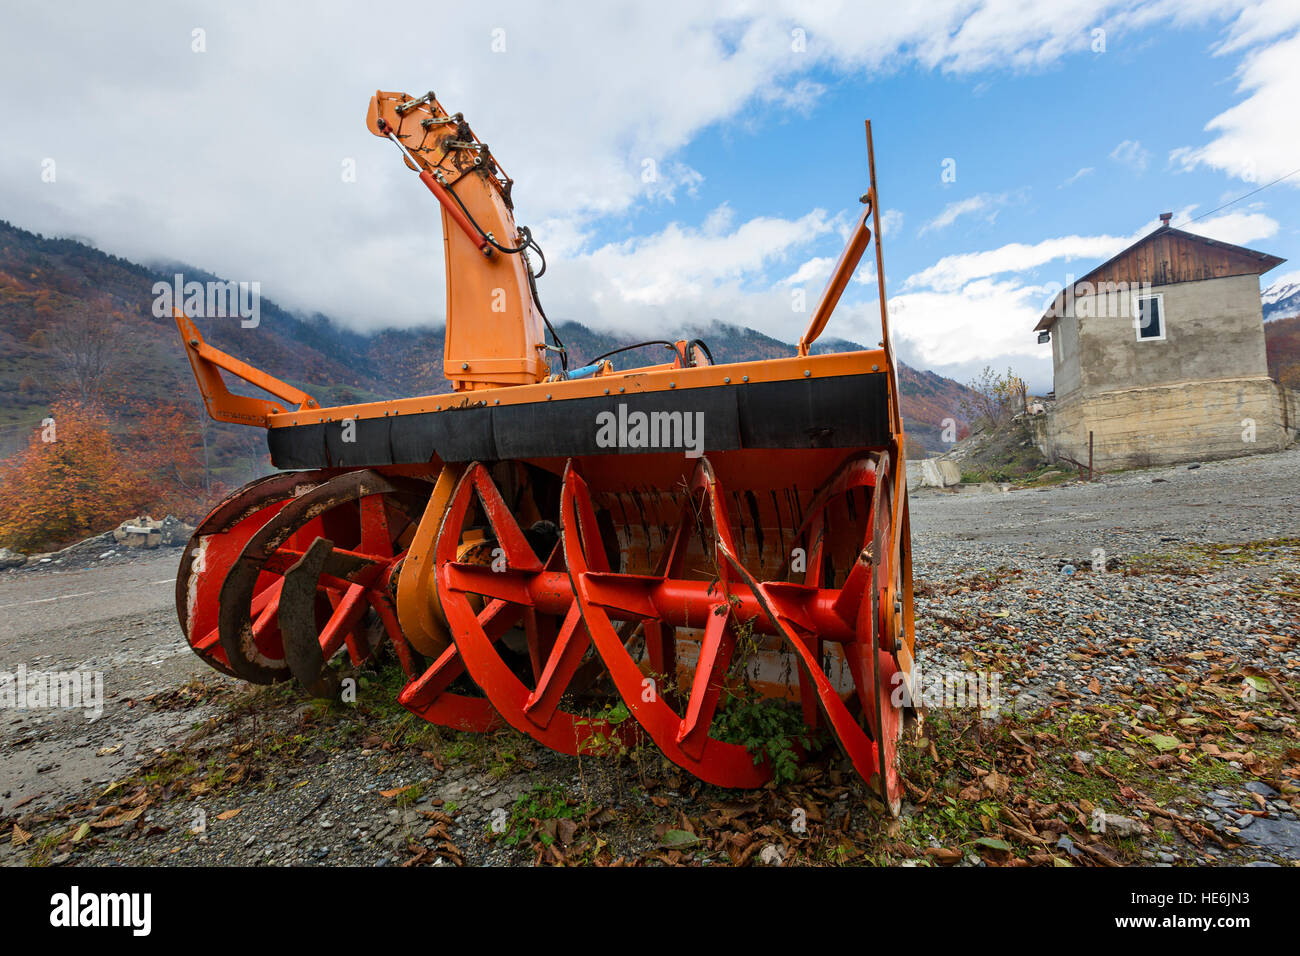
[981, 304]
[817, 269]
[985, 203]
[985, 317]
[1085, 171]
[230, 159]
[891, 222]
[952, 212]
[630, 283]
[1132, 154]
[1239, 228]
[952, 272]
[1255, 141]
[663, 184]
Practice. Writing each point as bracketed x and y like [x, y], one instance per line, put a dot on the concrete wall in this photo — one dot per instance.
[1214, 330]
[1154, 425]
[1288, 409]
[1065, 355]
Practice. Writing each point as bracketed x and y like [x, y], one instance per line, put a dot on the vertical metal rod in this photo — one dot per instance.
[895, 415]
[1090, 454]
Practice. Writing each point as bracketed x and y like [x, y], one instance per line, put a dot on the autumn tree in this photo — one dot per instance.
[72, 480]
[994, 398]
[169, 441]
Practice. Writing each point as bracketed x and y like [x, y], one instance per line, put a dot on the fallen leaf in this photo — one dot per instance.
[678, 838]
[996, 783]
[119, 820]
[944, 854]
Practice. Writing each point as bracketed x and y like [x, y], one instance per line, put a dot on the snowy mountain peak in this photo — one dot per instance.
[1282, 298]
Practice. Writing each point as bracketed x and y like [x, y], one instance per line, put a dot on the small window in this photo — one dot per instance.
[1149, 317]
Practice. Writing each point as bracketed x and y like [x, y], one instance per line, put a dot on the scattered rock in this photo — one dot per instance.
[11, 559]
[146, 532]
[1279, 836]
[1263, 789]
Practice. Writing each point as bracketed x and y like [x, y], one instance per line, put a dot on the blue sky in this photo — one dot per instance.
[1086, 145]
[215, 135]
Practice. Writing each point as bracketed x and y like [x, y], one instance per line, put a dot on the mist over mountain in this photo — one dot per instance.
[42, 280]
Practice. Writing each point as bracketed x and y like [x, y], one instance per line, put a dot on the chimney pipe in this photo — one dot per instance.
[1165, 217]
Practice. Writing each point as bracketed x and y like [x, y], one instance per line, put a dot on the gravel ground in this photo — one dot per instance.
[1078, 570]
[1147, 606]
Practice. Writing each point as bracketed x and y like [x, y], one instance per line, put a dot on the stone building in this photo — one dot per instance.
[1159, 354]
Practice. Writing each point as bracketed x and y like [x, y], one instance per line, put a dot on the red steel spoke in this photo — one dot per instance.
[539, 630]
[345, 617]
[517, 551]
[265, 619]
[710, 674]
[661, 651]
[564, 659]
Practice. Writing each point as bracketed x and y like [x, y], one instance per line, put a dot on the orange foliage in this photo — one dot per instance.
[167, 445]
[55, 492]
[1282, 343]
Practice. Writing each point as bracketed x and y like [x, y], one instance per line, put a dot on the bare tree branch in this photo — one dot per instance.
[82, 343]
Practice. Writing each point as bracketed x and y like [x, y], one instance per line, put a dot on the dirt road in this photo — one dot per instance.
[118, 622]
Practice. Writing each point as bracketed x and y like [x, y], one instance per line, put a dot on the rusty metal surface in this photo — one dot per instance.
[297, 620]
[253, 645]
[215, 543]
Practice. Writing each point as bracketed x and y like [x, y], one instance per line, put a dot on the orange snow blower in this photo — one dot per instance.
[540, 544]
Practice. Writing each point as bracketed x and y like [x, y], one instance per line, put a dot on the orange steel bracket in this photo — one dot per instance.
[844, 269]
[221, 403]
